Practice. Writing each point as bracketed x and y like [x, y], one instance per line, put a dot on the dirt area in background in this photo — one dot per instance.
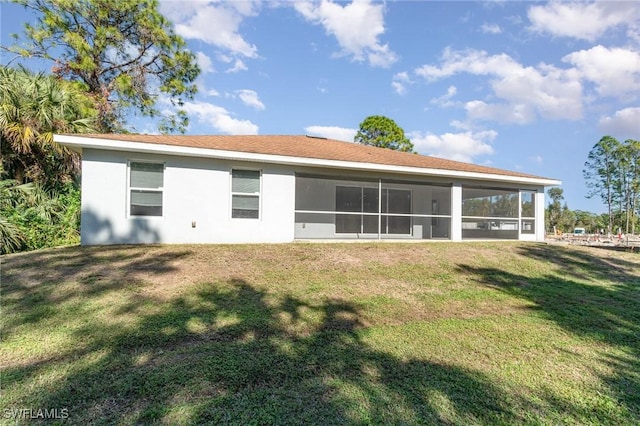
[616, 242]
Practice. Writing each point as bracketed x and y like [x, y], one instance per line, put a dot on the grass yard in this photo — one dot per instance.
[436, 333]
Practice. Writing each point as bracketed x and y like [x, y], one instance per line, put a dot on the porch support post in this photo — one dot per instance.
[379, 208]
[539, 212]
[456, 211]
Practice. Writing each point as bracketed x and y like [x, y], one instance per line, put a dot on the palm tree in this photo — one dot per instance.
[32, 218]
[32, 108]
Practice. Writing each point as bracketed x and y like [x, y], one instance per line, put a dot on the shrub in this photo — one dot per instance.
[32, 218]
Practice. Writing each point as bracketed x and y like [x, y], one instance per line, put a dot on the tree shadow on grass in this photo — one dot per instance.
[35, 284]
[231, 353]
[580, 303]
[574, 262]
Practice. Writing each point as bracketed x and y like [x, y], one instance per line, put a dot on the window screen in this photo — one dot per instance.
[245, 194]
[146, 181]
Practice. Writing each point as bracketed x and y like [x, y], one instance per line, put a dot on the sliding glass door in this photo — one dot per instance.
[360, 208]
[366, 201]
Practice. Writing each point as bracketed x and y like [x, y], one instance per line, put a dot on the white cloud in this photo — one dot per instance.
[147, 129]
[460, 125]
[224, 58]
[250, 98]
[445, 100]
[399, 88]
[402, 76]
[537, 159]
[583, 20]
[503, 113]
[470, 61]
[202, 88]
[204, 62]
[219, 118]
[454, 146]
[624, 123]
[400, 82]
[492, 4]
[514, 19]
[490, 28]
[238, 65]
[615, 71]
[217, 24]
[356, 26]
[525, 92]
[332, 132]
[212, 92]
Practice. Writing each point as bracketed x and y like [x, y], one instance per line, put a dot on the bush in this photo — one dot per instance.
[32, 218]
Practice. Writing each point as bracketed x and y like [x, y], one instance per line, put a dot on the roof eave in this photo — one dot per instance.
[77, 143]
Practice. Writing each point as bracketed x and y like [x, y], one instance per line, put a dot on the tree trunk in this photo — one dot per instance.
[19, 174]
[634, 207]
[628, 213]
[610, 230]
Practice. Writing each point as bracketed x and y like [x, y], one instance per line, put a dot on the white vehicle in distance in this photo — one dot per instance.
[579, 231]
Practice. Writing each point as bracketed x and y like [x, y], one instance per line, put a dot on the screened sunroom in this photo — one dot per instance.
[353, 208]
[369, 208]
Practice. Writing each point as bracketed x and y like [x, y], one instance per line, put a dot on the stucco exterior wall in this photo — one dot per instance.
[197, 201]
[196, 191]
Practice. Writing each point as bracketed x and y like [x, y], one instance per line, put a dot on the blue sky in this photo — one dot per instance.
[526, 86]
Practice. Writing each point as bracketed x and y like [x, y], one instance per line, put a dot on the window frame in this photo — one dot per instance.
[257, 195]
[528, 223]
[138, 188]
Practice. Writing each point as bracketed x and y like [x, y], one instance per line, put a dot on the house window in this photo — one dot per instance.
[245, 194]
[146, 182]
[527, 210]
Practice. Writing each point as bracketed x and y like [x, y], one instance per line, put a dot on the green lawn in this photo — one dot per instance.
[435, 333]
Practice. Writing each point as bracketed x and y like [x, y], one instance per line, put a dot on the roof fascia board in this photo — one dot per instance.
[79, 142]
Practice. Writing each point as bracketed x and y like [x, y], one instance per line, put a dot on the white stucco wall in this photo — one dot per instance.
[195, 190]
[198, 190]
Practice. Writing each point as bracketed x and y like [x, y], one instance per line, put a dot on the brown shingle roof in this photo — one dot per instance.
[308, 147]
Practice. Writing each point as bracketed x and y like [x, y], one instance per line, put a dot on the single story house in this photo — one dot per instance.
[269, 189]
